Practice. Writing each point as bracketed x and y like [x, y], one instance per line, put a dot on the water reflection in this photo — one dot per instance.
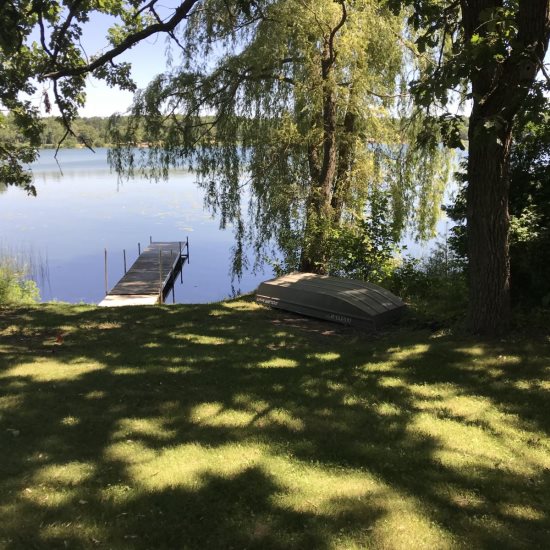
[82, 208]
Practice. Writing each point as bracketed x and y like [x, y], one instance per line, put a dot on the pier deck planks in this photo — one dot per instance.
[142, 283]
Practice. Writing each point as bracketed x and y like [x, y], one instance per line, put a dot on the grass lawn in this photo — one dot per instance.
[233, 426]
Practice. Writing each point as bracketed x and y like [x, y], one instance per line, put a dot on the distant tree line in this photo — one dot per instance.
[90, 131]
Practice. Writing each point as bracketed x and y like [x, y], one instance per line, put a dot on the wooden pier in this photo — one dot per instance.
[150, 277]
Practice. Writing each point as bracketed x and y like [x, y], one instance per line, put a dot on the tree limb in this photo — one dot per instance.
[179, 15]
[43, 34]
[336, 29]
[545, 72]
[64, 28]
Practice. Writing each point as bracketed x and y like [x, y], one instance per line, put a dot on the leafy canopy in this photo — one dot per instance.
[297, 109]
[42, 56]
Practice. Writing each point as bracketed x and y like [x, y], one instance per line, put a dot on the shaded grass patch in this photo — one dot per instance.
[230, 425]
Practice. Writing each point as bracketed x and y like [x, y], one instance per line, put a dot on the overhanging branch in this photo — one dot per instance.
[167, 27]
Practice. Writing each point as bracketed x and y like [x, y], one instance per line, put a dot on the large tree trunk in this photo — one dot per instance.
[319, 215]
[318, 209]
[488, 225]
[498, 89]
[345, 161]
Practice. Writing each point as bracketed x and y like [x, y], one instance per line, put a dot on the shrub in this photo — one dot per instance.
[435, 286]
[15, 287]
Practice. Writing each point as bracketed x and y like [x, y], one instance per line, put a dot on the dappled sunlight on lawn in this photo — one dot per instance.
[202, 339]
[278, 362]
[228, 425]
[154, 428]
[45, 370]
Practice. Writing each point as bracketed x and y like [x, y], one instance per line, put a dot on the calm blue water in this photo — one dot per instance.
[81, 209]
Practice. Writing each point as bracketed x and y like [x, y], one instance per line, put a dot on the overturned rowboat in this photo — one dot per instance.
[344, 301]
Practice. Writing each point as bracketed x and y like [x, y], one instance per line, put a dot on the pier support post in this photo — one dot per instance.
[106, 282]
[160, 277]
[180, 263]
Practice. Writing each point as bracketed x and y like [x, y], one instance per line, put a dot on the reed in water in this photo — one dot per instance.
[21, 271]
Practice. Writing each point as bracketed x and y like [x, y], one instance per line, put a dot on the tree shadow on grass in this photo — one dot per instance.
[235, 512]
[222, 426]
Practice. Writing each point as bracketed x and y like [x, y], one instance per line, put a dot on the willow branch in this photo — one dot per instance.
[66, 123]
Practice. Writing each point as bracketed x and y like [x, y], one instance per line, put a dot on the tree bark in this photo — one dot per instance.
[318, 209]
[488, 228]
[345, 160]
[498, 91]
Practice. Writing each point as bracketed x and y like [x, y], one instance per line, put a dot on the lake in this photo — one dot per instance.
[82, 209]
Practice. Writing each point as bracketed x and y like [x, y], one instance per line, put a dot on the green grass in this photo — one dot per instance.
[231, 426]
